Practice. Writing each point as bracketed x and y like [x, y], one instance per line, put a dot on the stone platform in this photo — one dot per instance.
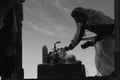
[58, 71]
[87, 78]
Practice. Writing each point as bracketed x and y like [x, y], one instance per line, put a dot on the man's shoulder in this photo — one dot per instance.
[97, 17]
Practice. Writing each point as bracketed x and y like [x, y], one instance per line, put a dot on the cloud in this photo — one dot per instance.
[51, 18]
[44, 31]
[61, 30]
[40, 29]
[52, 29]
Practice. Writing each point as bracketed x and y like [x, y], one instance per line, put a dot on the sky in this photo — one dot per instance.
[48, 21]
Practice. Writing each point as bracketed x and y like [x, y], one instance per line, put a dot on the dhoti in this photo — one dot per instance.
[104, 56]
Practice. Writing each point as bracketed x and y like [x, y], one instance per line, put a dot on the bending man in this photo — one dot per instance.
[103, 27]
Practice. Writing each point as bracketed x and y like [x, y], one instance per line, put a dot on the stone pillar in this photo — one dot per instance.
[117, 30]
[19, 71]
[44, 54]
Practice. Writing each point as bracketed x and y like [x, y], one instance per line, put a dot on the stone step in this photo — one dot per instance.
[87, 78]
[61, 71]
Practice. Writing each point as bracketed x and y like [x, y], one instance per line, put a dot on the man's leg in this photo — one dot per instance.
[104, 58]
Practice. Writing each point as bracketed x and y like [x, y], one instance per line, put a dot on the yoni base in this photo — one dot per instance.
[61, 71]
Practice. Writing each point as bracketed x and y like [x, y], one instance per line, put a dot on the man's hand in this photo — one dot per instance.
[66, 48]
[87, 44]
[70, 47]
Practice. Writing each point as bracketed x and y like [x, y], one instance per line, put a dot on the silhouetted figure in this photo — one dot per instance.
[103, 27]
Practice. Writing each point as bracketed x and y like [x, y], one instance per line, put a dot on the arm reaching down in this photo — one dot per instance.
[78, 36]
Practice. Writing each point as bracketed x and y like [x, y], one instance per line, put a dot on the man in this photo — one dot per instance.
[102, 26]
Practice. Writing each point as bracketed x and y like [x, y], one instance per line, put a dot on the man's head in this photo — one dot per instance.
[79, 14]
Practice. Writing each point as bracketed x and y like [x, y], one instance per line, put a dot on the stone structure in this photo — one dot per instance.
[74, 71]
[117, 26]
[18, 14]
[13, 16]
[19, 72]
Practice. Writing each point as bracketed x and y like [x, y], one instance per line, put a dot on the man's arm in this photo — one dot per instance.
[101, 29]
[80, 17]
[78, 36]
